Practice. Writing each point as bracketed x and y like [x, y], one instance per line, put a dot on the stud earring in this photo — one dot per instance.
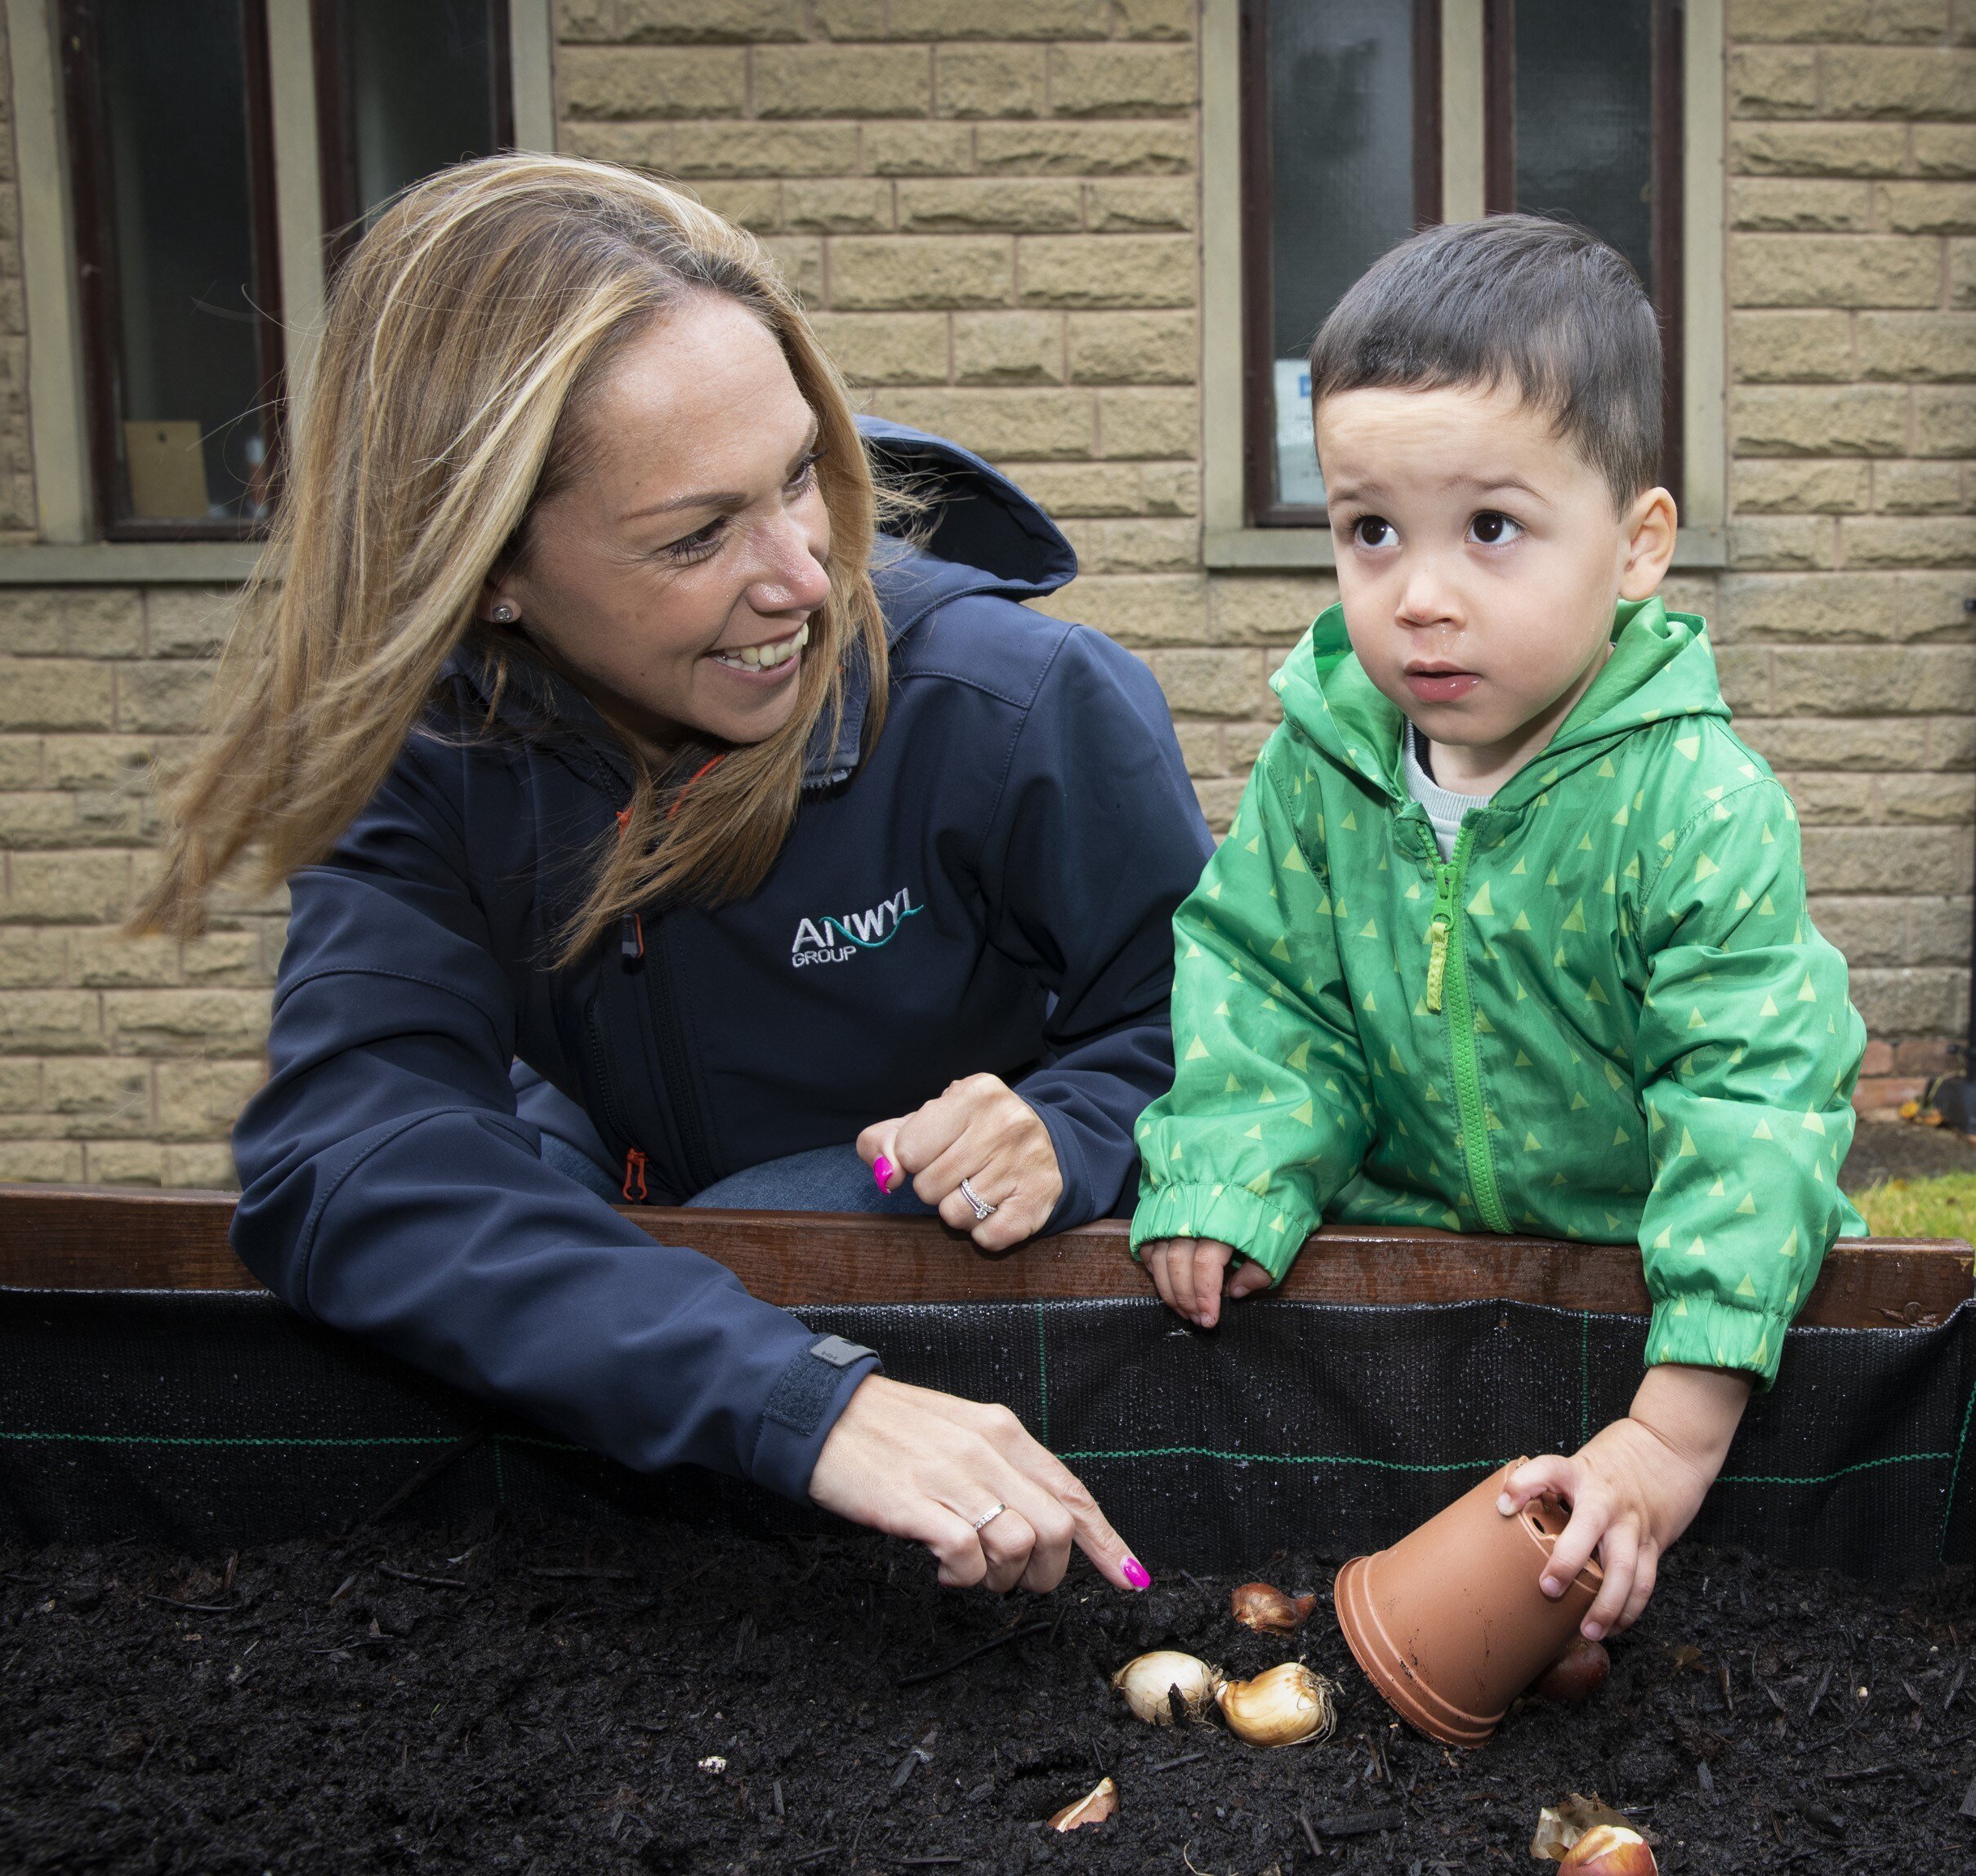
[504, 614]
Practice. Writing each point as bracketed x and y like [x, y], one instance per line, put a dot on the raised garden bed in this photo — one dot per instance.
[504, 1691]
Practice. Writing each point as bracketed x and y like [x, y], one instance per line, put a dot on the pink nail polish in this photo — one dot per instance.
[1136, 1574]
[881, 1172]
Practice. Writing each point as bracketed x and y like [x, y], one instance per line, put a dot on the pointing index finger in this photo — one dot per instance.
[1091, 1530]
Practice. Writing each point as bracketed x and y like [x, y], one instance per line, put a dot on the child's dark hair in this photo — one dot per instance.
[1541, 304]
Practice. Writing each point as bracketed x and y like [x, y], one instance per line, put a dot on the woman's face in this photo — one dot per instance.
[674, 580]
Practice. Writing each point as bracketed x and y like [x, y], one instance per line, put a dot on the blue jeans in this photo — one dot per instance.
[826, 1179]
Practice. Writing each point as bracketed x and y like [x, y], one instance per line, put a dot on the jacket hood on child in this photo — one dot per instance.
[1607, 1017]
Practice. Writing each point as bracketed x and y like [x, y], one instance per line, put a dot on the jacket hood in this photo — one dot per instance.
[977, 521]
[1661, 668]
[980, 535]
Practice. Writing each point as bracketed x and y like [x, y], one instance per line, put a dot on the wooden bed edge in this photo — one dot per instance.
[84, 1237]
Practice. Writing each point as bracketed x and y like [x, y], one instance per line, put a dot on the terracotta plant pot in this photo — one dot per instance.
[1450, 1624]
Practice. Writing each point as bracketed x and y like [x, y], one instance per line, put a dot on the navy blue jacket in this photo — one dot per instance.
[989, 888]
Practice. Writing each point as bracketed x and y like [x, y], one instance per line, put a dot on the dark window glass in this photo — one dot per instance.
[180, 290]
[405, 90]
[1586, 125]
[1341, 158]
[1584, 120]
[1342, 162]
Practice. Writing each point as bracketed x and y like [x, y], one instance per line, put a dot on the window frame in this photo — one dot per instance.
[1667, 165]
[336, 154]
[72, 544]
[78, 23]
[1258, 244]
[1230, 540]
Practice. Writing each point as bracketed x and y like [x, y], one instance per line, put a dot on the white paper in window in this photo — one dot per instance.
[1298, 483]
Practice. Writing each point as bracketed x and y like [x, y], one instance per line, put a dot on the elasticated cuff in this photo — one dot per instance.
[1706, 1332]
[1262, 1230]
[808, 1395]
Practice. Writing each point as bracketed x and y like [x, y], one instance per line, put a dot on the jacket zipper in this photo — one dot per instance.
[632, 951]
[635, 1162]
[1448, 983]
[673, 1064]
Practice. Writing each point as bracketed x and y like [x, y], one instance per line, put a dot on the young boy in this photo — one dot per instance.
[1508, 934]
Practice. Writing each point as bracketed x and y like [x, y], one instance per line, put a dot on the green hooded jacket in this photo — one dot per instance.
[1608, 1016]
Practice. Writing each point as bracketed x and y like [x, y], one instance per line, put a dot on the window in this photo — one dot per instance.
[402, 90]
[1335, 128]
[1588, 125]
[1341, 160]
[180, 298]
[179, 247]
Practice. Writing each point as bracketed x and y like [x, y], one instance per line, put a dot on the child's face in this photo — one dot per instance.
[1479, 559]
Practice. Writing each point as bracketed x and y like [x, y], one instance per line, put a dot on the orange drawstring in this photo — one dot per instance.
[704, 769]
[633, 946]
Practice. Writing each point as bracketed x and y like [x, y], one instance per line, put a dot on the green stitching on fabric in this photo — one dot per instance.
[1457, 1465]
[1042, 1374]
[1290, 1459]
[1948, 1510]
[1826, 1478]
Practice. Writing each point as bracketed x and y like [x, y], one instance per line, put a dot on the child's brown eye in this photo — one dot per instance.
[1373, 531]
[1492, 529]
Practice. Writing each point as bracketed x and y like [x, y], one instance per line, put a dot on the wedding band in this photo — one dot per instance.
[981, 1209]
[989, 1517]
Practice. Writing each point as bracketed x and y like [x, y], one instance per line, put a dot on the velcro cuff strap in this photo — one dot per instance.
[808, 1385]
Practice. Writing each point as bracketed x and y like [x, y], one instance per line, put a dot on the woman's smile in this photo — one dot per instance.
[774, 661]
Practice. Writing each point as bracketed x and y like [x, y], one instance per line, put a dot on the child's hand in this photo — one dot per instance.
[1187, 1272]
[1634, 1487]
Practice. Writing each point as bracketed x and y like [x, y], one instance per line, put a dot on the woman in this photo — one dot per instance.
[649, 833]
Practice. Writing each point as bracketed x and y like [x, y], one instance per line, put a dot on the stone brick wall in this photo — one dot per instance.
[1845, 620]
[991, 212]
[121, 1061]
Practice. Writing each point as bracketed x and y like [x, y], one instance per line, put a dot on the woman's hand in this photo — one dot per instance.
[1634, 1487]
[983, 1131]
[929, 1467]
[1187, 1273]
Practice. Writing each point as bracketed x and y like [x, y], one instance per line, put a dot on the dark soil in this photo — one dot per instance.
[1889, 1150]
[650, 1696]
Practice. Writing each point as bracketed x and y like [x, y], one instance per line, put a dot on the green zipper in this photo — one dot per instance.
[1447, 984]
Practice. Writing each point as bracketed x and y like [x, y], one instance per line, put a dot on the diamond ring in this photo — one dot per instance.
[989, 1517]
[982, 1207]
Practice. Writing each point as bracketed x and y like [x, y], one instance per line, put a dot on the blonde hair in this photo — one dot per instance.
[466, 339]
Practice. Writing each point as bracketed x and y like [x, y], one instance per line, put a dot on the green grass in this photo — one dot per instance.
[1944, 1207]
